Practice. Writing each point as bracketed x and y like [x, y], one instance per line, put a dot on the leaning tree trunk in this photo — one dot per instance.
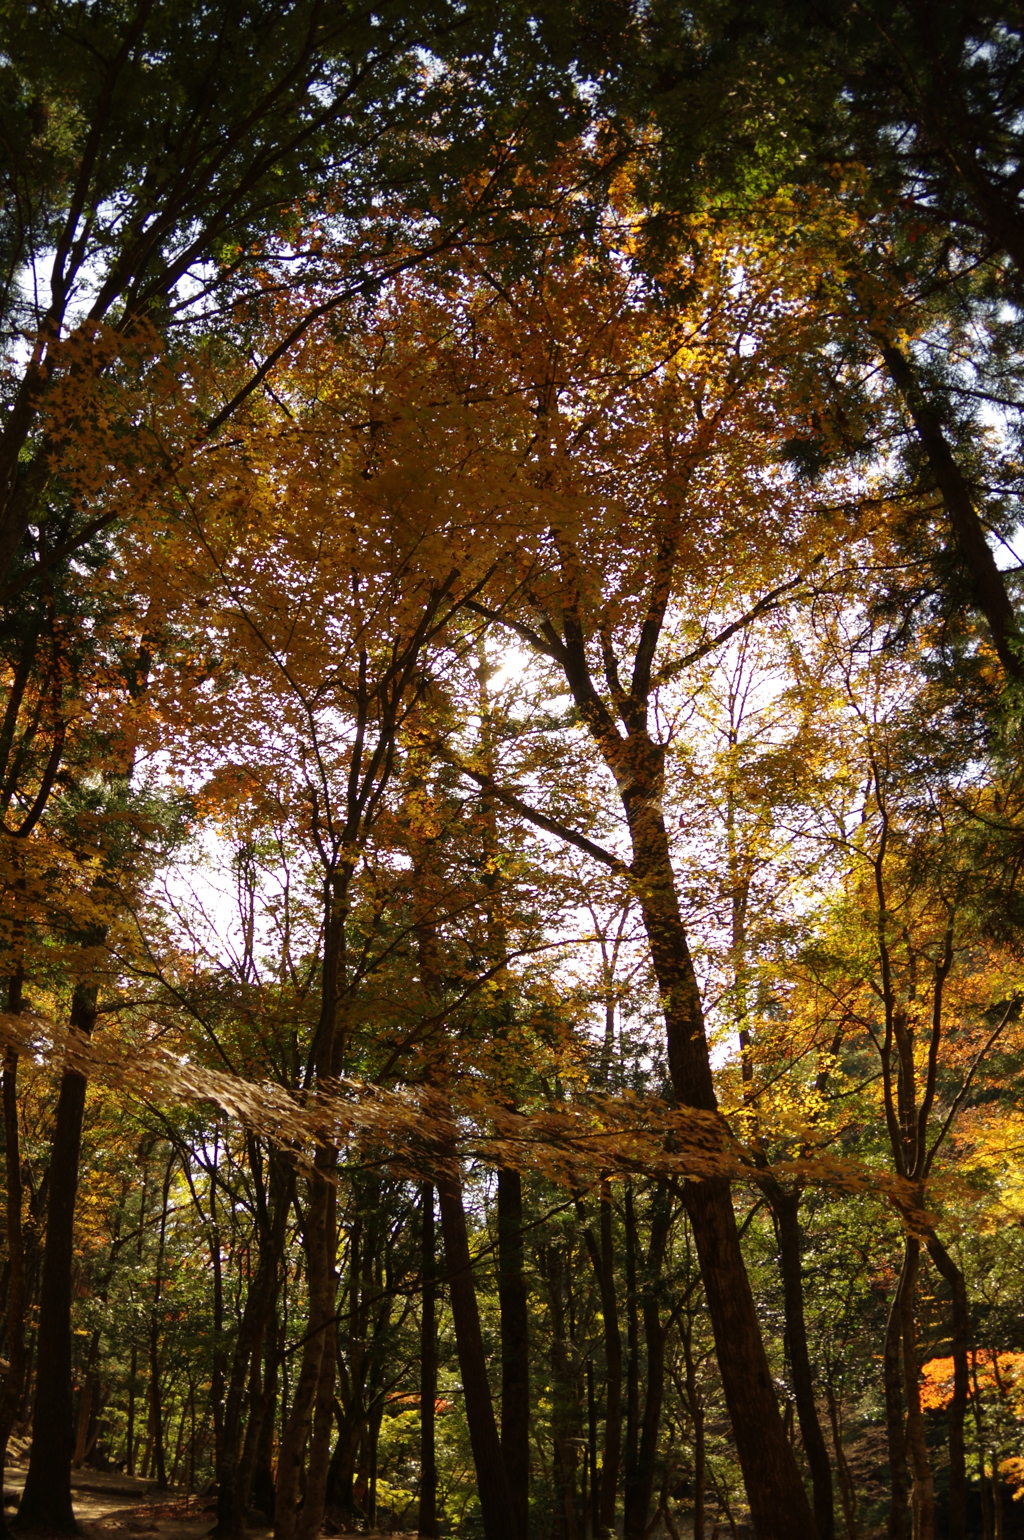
[778, 1503]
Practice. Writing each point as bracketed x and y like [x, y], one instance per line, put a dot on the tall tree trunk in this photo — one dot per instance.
[301, 1415]
[786, 1208]
[602, 1257]
[46, 1501]
[961, 1336]
[632, 1344]
[564, 1416]
[492, 1482]
[696, 1409]
[232, 1478]
[155, 1400]
[515, 1344]
[778, 1503]
[427, 1514]
[892, 1370]
[923, 1487]
[14, 1383]
[638, 1493]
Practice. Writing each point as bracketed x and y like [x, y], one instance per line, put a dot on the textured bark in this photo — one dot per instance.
[46, 1501]
[515, 1344]
[492, 1483]
[786, 1208]
[427, 1519]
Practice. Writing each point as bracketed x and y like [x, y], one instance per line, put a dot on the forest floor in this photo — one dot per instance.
[112, 1506]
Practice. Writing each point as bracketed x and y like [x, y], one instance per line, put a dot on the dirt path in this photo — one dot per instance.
[116, 1507]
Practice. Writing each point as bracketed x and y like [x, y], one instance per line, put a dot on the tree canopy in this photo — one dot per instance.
[511, 789]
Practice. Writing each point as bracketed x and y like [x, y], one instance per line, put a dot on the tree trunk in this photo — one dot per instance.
[696, 1410]
[85, 1401]
[492, 1483]
[602, 1259]
[923, 1488]
[304, 1400]
[960, 1335]
[155, 1402]
[786, 1208]
[14, 1382]
[847, 1490]
[778, 1503]
[515, 1344]
[427, 1520]
[892, 1370]
[638, 1493]
[632, 1345]
[564, 1414]
[46, 1501]
[233, 1482]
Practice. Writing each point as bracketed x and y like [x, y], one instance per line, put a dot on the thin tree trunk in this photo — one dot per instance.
[602, 1259]
[515, 1344]
[632, 1345]
[594, 1494]
[696, 1409]
[923, 1488]
[301, 1415]
[14, 1384]
[786, 1206]
[564, 1422]
[847, 1491]
[638, 1494]
[492, 1482]
[427, 1520]
[46, 1501]
[892, 1371]
[156, 1404]
[85, 1401]
[232, 1486]
[960, 1335]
